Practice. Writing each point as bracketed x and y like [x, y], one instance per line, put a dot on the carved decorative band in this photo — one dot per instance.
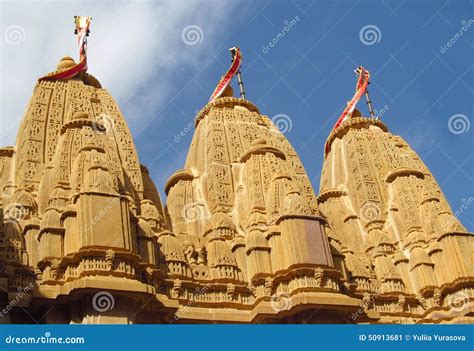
[7, 151]
[261, 150]
[330, 193]
[183, 174]
[355, 122]
[79, 123]
[401, 172]
[226, 101]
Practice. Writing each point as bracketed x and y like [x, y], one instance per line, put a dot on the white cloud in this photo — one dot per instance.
[129, 42]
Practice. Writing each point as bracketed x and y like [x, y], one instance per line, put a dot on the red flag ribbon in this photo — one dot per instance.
[361, 87]
[82, 28]
[231, 72]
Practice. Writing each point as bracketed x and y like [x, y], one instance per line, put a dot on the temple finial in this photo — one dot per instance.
[82, 31]
[231, 72]
[236, 51]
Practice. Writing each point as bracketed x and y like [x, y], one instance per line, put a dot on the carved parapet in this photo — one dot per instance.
[204, 295]
[90, 263]
[355, 122]
[224, 102]
[363, 283]
[308, 279]
[392, 285]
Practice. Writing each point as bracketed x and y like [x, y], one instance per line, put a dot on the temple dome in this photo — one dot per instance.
[64, 116]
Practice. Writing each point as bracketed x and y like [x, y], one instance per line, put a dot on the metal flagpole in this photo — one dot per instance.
[369, 103]
[239, 75]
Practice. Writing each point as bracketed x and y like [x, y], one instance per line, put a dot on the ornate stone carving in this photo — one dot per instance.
[241, 224]
[109, 259]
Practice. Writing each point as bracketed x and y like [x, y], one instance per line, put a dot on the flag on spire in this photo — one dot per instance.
[82, 31]
[231, 72]
[361, 87]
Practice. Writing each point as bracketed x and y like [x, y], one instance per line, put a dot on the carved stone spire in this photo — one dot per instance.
[381, 200]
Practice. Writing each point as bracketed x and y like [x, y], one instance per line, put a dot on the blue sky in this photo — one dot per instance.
[160, 79]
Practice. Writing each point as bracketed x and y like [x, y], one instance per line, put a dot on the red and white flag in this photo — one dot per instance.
[231, 72]
[82, 29]
[361, 87]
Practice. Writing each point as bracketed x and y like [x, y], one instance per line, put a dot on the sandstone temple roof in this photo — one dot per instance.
[243, 237]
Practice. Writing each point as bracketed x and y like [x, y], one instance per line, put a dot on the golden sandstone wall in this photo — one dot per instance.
[242, 238]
